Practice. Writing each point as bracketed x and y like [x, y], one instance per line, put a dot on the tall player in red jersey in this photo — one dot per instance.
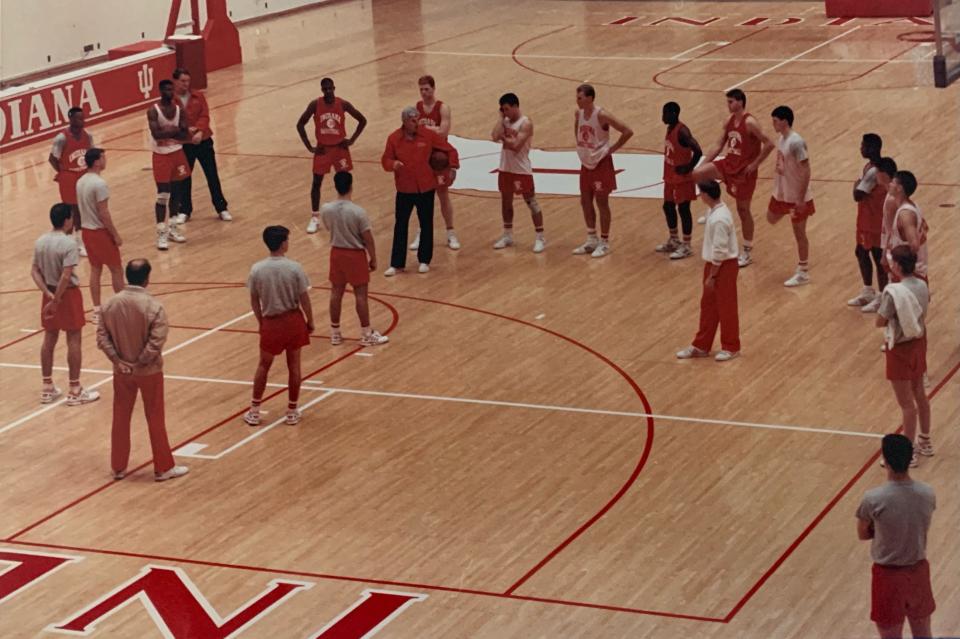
[681, 153]
[66, 158]
[745, 147]
[333, 146]
[435, 115]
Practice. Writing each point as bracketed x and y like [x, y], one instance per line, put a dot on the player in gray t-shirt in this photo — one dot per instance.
[280, 297]
[896, 517]
[351, 240]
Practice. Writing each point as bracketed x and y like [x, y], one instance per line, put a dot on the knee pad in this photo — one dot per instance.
[533, 205]
[163, 199]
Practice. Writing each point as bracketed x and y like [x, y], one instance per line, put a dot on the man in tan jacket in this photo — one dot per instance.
[132, 331]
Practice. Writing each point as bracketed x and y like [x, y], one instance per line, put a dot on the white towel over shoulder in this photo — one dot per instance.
[908, 313]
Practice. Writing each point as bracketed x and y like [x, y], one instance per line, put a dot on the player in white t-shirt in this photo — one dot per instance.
[791, 189]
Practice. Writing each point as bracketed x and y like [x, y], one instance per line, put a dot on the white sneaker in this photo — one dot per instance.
[924, 446]
[587, 247]
[702, 219]
[179, 218]
[173, 473]
[726, 356]
[393, 270]
[225, 216]
[871, 306]
[48, 396]
[799, 279]
[669, 246]
[603, 249]
[745, 259]
[539, 245]
[374, 338]
[292, 418]
[423, 268]
[336, 339]
[690, 352]
[83, 397]
[863, 298]
[452, 242]
[415, 244]
[176, 235]
[682, 251]
[503, 242]
[118, 475]
[162, 237]
[252, 418]
[314, 224]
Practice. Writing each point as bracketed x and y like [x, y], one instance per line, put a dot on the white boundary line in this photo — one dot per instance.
[545, 56]
[680, 55]
[260, 431]
[794, 58]
[103, 381]
[327, 390]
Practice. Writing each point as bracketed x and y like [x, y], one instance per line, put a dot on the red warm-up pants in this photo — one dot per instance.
[125, 388]
[719, 308]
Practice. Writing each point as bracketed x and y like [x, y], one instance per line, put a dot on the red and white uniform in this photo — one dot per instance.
[787, 181]
[742, 148]
[516, 171]
[330, 126]
[434, 118]
[870, 216]
[597, 175]
[677, 188]
[169, 161]
[72, 163]
[896, 239]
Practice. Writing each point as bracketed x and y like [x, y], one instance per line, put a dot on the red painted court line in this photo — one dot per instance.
[75, 502]
[823, 513]
[20, 339]
[623, 20]
[706, 53]
[379, 582]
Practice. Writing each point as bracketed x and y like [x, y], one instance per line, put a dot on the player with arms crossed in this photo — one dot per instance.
[515, 132]
[168, 132]
[66, 158]
[333, 146]
[681, 153]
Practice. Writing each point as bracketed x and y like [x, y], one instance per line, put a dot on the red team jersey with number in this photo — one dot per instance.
[674, 155]
[743, 147]
[72, 156]
[433, 117]
[331, 126]
[870, 209]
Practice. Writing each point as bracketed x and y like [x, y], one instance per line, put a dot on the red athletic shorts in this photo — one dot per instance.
[517, 183]
[599, 180]
[67, 181]
[69, 315]
[868, 239]
[349, 266]
[739, 184]
[789, 208]
[907, 360]
[677, 192]
[284, 332]
[334, 157]
[901, 591]
[170, 167]
[101, 250]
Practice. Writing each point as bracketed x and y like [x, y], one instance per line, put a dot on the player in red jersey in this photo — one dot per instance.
[681, 153]
[870, 192]
[66, 158]
[435, 115]
[333, 146]
[745, 147]
[168, 131]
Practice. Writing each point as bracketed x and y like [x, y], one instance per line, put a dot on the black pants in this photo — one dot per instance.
[208, 162]
[404, 207]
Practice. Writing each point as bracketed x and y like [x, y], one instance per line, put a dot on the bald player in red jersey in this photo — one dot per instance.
[333, 146]
[66, 158]
[745, 147]
[435, 115]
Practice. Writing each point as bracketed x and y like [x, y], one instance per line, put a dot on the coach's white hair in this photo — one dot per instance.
[408, 112]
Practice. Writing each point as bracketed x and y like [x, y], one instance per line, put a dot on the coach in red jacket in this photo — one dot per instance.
[407, 155]
[200, 147]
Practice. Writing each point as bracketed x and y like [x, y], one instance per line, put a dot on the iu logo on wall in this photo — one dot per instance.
[639, 175]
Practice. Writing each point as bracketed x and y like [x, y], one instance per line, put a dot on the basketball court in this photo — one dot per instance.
[526, 457]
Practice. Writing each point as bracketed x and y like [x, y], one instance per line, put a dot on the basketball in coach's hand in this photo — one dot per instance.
[439, 160]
